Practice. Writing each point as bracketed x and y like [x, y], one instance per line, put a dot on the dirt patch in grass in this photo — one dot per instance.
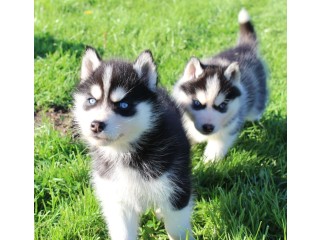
[62, 119]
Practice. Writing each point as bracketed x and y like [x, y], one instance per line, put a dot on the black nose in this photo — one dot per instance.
[97, 126]
[207, 128]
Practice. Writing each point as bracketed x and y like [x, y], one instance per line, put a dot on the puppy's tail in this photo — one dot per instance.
[246, 29]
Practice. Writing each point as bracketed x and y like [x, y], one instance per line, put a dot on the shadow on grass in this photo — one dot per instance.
[253, 188]
[269, 150]
[45, 43]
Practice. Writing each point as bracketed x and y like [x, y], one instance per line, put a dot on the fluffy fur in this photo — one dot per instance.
[218, 94]
[139, 148]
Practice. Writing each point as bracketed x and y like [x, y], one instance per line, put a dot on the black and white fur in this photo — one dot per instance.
[137, 142]
[218, 94]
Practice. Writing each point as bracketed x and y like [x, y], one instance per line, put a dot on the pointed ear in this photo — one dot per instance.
[193, 69]
[90, 62]
[146, 68]
[232, 72]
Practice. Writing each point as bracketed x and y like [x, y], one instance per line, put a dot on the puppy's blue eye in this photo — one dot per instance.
[222, 107]
[123, 108]
[123, 105]
[196, 105]
[92, 101]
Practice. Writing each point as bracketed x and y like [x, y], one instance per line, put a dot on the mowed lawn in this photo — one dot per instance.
[244, 196]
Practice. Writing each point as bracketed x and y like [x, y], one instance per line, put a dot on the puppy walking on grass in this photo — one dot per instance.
[217, 95]
[138, 145]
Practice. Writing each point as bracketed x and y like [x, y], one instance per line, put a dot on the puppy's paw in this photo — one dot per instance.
[158, 214]
[214, 153]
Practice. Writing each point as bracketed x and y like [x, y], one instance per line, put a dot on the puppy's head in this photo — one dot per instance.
[209, 95]
[115, 101]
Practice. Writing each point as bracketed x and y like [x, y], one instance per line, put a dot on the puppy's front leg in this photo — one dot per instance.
[218, 146]
[177, 223]
[122, 222]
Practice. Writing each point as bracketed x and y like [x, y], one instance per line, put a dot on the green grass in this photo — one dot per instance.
[242, 197]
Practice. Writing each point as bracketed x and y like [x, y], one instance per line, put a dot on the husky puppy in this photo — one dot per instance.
[137, 142]
[217, 95]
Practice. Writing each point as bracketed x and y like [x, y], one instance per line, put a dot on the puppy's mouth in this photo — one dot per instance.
[206, 133]
[105, 139]
[102, 139]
